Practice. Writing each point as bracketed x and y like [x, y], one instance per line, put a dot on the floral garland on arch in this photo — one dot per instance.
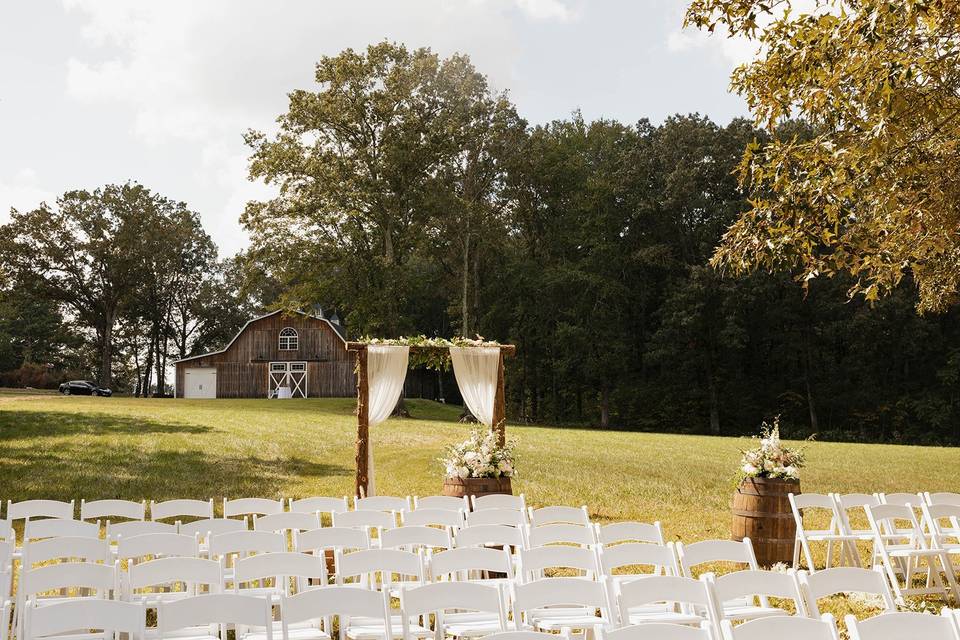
[771, 459]
[479, 456]
[434, 353]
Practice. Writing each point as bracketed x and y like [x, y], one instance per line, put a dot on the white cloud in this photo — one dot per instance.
[735, 51]
[22, 192]
[546, 9]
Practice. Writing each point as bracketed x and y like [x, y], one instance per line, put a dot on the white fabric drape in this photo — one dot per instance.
[476, 371]
[386, 371]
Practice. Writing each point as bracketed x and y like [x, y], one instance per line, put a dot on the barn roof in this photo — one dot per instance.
[338, 329]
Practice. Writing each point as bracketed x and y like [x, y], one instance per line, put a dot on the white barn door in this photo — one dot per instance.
[287, 376]
[200, 382]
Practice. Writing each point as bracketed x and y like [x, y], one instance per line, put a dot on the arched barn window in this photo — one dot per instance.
[288, 339]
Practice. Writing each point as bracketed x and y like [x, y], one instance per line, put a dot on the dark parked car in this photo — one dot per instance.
[84, 388]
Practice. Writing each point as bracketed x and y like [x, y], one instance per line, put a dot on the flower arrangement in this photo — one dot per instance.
[771, 459]
[479, 456]
[434, 353]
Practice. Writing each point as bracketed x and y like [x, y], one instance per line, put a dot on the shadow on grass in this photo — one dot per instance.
[49, 424]
[66, 471]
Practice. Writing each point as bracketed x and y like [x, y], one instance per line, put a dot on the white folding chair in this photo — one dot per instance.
[413, 538]
[97, 509]
[830, 582]
[904, 560]
[900, 625]
[459, 609]
[109, 618]
[618, 532]
[165, 575]
[207, 617]
[320, 504]
[59, 527]
[662, 560]
[508, 517]
[6, 530]
[361, 519]
[157, 545]
[33, 509]
[783, 628]
[942, 497]
[714, 551]
[251, 506]
[560, 604]
[6, 572]
[366, 565]
[942, 522]
[181, 508]
[131, 528]
[657, 631]
[499, 501]
[382, 503]
[663, 599]
[279, 569]
[206, 528]
[901, 499]
[489, 534]
[227, 548]
[92, 581]
[564, 533]
[361, 614]
[743, 595]
[442, 503]
[287, 522]
[534, 562]
[424, 517]
[825, 506]
[325, 541]
[559, 515]
[64, 548]
[852, 509]
[471, 564]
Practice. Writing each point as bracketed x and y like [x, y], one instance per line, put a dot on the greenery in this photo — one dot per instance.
[873, 191]
[432, 353]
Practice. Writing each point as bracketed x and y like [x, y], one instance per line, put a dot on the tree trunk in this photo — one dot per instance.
[477, 329]
[106, 349]
[464, 312]
[605, 407]
[714, 406]
[814, 422]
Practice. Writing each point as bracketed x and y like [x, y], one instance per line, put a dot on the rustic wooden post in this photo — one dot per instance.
[499, 405]
[362, 483]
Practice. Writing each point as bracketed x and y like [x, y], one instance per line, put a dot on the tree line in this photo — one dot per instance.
[414, 199]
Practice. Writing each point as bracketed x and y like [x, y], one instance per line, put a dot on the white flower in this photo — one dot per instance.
[749, 469]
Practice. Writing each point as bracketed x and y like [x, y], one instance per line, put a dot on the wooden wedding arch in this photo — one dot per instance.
[362, 480]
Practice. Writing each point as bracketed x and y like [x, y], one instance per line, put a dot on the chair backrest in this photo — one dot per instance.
[181, 508]
[30, 509]
[215, 608]
[323, 504]
[208, 527]
[58, 527]
[6, 530]
[533, 562]
[280, 565]
[132, 528]
[287, 521]
[444, 503]
[630, 532]
[425, 517]
[331, 538]
[509, 517]
[457, 563]
[561, 533]
[360, 519]
[902, 498]
[943, 497]
[368, 562]
[558, 515]
[246, 543]
[499, 501]
[800, 503]
[157, 544]
[116, 508]
[852, 502]
[783, 628]
[414, 537]
[890, 517]
[630, 554]
[657, 631]
[547, 592]
[165, 571]
[652, 589]
[900, 625]
[109, 615]
[382, 503]
[489, 534]
[63, 548]
[713, 551]
[440, 597]
[934, 514]
[762, 584]
[249, 506]
[339, 601]
[828, 582]
[101, 578]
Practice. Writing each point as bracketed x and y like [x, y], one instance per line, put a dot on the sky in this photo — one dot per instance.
[160, 92]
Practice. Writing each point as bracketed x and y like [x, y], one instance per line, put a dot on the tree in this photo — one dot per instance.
[875, 191]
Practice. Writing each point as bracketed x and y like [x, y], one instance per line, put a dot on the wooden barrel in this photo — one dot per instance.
[761, 512]
[459, 487]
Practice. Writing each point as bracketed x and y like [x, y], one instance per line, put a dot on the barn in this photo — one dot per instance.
[280, 351]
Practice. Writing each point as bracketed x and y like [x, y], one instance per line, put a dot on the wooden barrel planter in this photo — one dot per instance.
[459, 487]
[761, 512]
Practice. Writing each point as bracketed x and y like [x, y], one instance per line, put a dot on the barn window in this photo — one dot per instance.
[288, 339]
